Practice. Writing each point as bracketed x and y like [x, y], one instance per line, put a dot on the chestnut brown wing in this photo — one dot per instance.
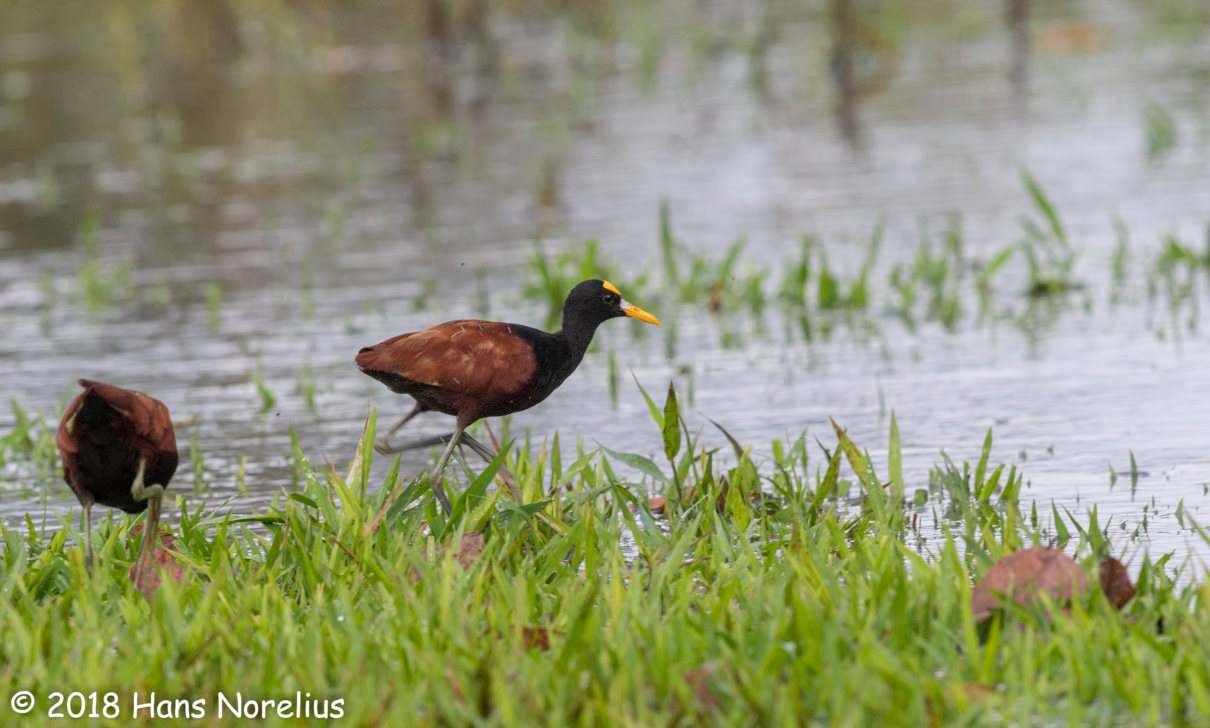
[148, 417]
[482, 359]
[69, 450]
[65, 438]
[104, 433]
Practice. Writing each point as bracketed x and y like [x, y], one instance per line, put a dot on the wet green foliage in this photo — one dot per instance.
[942, 283]
[100, 284]
[549, 280]
[1179, 276]
[28, 451]
[1161, 132]
[760, 593]
[930, 287]
[817, 288]
[1045, 245]
[214, 307]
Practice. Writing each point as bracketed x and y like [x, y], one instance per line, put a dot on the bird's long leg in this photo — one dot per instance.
[509, 479]
[389, 501]
[479, 448]
[383, 444]
[88, 536]
[435, 476]
[505, 474]
[151, 532]
[417, 444]
[154, 494]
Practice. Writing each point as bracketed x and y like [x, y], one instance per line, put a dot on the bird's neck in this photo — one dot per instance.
[578, 336]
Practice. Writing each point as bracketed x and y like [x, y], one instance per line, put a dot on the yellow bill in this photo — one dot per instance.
[634, 311]
[630, 309]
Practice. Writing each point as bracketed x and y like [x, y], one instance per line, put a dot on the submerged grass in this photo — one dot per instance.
[816, 289]
[27, 451]
[1160, 132]
[1024, 283]
[758, 594]
[99, 284]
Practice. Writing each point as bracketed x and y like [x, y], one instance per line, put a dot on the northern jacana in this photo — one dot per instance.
[474, 369]
[114, 441]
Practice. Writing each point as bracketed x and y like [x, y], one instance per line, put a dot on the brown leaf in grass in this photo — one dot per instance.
[720, 503]
[1025, 575]
[1115, 582]
[535, 638]
[698, 680]
[162, 560]
[977, 691]
[469, 548]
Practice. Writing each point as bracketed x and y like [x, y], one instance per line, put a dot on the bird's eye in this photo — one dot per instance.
[610, 298]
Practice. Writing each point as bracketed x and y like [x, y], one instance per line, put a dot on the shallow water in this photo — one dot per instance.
[286, 186]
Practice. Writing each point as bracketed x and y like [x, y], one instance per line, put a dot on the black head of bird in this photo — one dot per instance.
[592, 303]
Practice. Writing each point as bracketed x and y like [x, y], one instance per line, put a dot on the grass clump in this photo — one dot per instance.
[1160, 132]
[549, 279]
[27, 450]
[757, 594]
[1045, 245]
[728, 285]
[941, 283]
[938, 272]
[99, 285]
[1178, 273]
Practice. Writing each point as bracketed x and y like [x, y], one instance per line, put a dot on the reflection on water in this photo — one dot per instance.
[220, 202]
[1017, 12]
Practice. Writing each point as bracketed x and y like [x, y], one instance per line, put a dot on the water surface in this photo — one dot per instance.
[194, 200]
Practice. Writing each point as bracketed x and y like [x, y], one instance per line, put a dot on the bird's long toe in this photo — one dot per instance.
[383, 447]
[141, 492]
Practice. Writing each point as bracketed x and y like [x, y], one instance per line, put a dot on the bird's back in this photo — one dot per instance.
[104, 432]
[455, 366]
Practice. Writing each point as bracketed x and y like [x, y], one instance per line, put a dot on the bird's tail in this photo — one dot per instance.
[376, 358]
[365, 358]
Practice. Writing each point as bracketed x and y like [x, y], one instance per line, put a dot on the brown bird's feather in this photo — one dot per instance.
[104, 432]
[456, 362]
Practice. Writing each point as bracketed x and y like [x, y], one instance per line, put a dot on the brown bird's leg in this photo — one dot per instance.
[383, 444]
[151, 526]
[435, 476]
[88, 537]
